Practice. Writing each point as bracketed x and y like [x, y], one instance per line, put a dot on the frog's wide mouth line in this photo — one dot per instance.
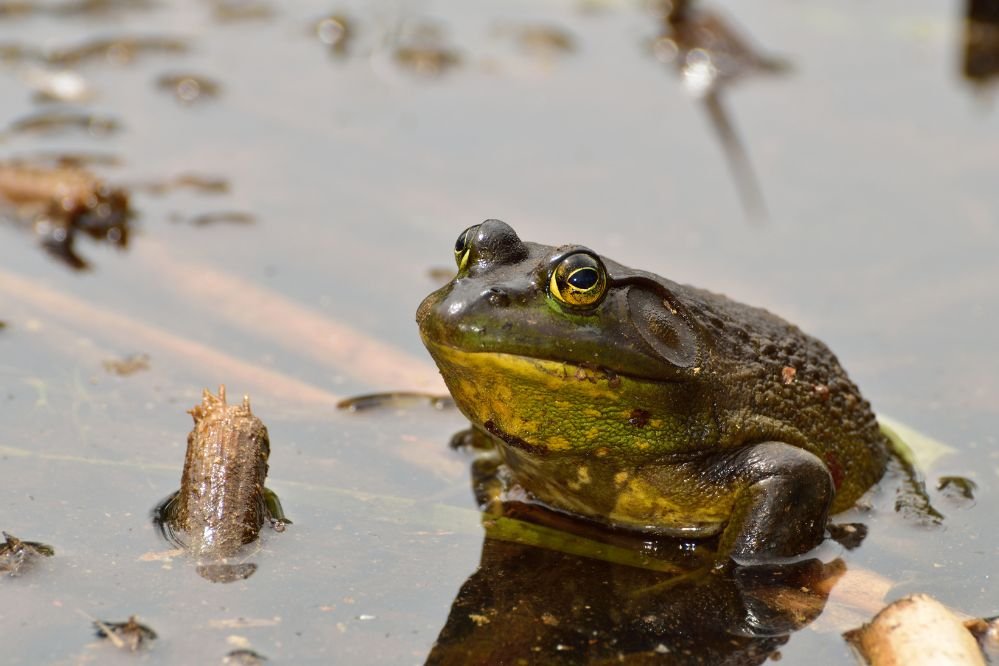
[523, 364]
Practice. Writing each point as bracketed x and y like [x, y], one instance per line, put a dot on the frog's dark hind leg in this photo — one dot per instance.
[782, 507]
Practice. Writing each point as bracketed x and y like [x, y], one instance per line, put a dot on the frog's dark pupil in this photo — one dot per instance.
[459, 245]
[583, 278]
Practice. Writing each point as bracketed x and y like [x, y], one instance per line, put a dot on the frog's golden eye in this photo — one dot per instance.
[463, 246]
[578, 281]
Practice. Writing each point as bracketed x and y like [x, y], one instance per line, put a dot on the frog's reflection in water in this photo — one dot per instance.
[551, 588]
[527, 604]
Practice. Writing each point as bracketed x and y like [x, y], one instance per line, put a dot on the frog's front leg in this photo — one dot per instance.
[783, 495]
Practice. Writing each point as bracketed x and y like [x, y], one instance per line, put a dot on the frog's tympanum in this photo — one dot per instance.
[222, 502]
[620, 397]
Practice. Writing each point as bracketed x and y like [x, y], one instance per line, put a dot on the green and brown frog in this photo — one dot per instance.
[629, 400]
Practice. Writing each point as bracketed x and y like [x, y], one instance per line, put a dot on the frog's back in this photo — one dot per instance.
[776, 383]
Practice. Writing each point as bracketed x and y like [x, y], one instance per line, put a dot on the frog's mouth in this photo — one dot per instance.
[628, 335]
[545, 407]
[497, 367]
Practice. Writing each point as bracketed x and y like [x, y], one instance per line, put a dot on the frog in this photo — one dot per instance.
[623, 399]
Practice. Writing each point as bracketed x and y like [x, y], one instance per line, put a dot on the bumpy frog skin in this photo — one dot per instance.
[626, 399]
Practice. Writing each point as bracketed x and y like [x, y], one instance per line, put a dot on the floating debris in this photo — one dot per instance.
[958, 490]
[244, 657]
[16, 555]
[128, 365]
[708, 50]
[229, 11]
[980, 64]
[222, 502]
[710, 55]
[917, 631]
[77, 160]
[11, 52]
[116, 50]
[91, 8]
[396, 399]
[59, 85]
[539, 40]
[129, 635]
[13, 8]
[427, 60]
[61, 202]
[227, 217]
[101, 8]
[193, 181]
[335, 31]
[420, 48]
[986, 632]
[189, 88]
[54, 122]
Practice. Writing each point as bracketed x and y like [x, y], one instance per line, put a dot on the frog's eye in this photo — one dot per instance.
[463, 246]
[579, 280]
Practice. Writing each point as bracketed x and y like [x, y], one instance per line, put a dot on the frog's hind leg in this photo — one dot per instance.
[782, 505]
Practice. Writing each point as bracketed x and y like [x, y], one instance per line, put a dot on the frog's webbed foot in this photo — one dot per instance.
[275, 512]
[782, 507]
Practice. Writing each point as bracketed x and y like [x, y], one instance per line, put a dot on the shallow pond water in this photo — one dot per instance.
[349, 173]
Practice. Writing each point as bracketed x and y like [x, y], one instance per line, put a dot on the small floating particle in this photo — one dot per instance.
[229, 11]
[128, 365]
[189, 88]
[16, 554]
[229, 217]
[60, 85]
[427, 60]
[335, 31]
[54, 122]
[397, 399]
[244, 657]
[117, 50]
[958, 490]
[129, 635]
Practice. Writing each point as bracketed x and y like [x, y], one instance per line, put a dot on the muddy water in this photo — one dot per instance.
[350, 171]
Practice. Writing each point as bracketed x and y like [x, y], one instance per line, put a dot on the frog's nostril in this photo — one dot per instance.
[497, 297]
